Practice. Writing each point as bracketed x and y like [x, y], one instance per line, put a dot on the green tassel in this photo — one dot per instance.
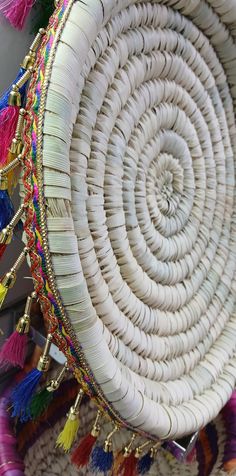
[40, 403]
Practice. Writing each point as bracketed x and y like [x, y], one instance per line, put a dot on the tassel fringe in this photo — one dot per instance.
[3, 294]
[81, 455]
[23, 394]
[40, 403]
[101, 460]
[2, 250]
[6, 209]
[67, 436]
[129, 465]
[144, 463]
[14, 350]
[16, 11]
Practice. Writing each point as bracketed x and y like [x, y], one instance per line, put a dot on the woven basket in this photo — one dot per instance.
[43, 458]
[133, 143]
[31, 446]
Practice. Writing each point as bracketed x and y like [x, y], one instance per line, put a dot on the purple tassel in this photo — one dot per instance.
[101, 460]
[22, 395]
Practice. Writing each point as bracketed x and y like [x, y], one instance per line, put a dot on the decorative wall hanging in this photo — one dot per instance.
[126, 143]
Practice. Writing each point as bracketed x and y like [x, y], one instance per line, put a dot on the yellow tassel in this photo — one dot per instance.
[9, 279]
[67, 436]
[3, 293]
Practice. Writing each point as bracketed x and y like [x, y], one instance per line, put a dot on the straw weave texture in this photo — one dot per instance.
[139, 182]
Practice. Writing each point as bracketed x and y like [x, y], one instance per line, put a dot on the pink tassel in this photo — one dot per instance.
[8, 122]
[14, 350]
[16, 11]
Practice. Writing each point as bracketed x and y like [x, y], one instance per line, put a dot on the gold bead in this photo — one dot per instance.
[14, 97]
[23, 325]
[29, 60]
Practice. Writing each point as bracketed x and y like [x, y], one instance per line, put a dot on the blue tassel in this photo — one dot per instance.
[101, 460]
[145, 463]
[5, 96]
[22, 395]
[6, 209]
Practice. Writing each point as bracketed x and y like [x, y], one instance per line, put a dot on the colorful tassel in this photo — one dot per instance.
[67, 436]
[129, 465]
[14, 349]
[6, 207]
[7, 233]
[145, 463]
[81, 455]
[42, 399]
[101, 460]
[9, 279]
[2, 249]
[16, 11]
[125, 462]
[8, 123]
[40, 403]
[117, 463]
[10, 114]
[102, 457]
[3, 293]
[23, 393]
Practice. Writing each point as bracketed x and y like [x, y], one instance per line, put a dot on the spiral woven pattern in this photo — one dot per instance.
[138, 168]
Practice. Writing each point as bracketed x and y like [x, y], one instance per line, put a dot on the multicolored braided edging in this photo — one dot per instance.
[33, 225]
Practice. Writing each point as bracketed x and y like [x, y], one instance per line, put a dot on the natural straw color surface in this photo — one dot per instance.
[138, 154]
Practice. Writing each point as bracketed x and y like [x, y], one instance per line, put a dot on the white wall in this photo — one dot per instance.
[13, 47]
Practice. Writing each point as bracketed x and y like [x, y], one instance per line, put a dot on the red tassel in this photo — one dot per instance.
[129, 465]
[8, 122]
[2, 249]
[17, 11]
[81, 455]
[14, 350]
